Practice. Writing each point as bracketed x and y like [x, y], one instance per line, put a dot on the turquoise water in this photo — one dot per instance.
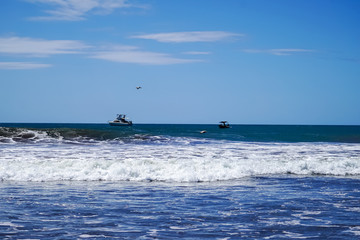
[93, 181]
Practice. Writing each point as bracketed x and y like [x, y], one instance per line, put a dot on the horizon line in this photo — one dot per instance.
[142, 123]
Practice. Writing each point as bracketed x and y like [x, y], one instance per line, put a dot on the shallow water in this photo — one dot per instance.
[257, 207]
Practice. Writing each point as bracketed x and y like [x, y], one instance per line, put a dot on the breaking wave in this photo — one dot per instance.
[184, 162]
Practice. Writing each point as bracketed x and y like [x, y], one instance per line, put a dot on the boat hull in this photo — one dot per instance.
[120, 124]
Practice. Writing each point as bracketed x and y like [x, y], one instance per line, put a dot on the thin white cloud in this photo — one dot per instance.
[179, 37]
[76, 10]
[22, 65]
[29, 47]
[39, 47]
[129, 54]
[280, 51]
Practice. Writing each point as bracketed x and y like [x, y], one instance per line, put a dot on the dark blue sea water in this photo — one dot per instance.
[93, 181]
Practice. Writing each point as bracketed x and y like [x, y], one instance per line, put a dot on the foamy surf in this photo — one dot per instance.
[185, 162]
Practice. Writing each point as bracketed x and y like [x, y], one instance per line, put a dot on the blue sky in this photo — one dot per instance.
[198, 61]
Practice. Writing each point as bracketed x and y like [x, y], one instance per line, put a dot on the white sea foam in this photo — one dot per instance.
[215, 161]
[354, 230]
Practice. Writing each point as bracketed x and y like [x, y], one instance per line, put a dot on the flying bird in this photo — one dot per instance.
[138, 88]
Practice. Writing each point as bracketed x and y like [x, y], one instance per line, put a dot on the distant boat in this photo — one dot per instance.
[224, 124]
[120, 120]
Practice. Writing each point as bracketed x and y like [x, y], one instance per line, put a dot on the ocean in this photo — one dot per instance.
[169, 181]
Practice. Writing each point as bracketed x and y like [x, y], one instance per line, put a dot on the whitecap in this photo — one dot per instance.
[173, 162]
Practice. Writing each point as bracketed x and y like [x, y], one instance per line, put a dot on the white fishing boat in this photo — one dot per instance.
[120, 120]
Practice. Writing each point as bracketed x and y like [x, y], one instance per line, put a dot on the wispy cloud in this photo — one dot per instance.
[30, 47]
[76, 10]
[22, 65]
[39, 47]
[130, 54]
[280, 51]
[200, 36]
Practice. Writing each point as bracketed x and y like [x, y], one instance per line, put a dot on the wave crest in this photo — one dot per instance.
[175, 163]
